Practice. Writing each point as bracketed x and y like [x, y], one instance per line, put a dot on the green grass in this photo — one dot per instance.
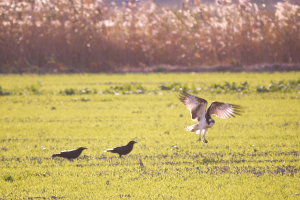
[254, 156]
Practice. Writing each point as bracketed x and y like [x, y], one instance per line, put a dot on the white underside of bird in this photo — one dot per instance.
[200, 128]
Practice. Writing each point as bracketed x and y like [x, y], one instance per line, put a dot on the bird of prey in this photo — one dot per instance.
[197, 107]
[123, 150]
[71, 154]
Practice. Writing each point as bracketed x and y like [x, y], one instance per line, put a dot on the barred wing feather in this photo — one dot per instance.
[196, 105]
[223, 110]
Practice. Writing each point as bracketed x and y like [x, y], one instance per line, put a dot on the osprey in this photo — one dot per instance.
[197, 107]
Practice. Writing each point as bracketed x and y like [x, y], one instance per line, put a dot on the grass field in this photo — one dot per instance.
[254, 156]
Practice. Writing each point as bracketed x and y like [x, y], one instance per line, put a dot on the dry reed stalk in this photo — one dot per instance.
[73, 36]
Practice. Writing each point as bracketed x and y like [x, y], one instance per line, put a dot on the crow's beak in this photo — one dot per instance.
[135, 142]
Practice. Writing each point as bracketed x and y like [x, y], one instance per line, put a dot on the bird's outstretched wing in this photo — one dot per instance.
[196, 105]
[224, 110]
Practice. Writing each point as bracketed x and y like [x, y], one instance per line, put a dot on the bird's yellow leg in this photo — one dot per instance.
[204, 133]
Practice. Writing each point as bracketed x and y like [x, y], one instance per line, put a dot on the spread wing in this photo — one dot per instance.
[196, 105]
[223, 110]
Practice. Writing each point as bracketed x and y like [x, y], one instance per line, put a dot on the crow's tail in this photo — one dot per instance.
[54, 155]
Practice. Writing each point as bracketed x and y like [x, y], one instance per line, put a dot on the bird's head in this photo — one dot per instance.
[81, 148]
[132, 142]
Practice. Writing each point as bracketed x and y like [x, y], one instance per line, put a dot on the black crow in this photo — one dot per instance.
[72, 154]
[123, 150]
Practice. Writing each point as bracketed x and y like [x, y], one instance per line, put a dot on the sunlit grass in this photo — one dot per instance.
[30, 84]
[254, 155]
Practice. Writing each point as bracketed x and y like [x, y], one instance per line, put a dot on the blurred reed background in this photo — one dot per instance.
[45, 36]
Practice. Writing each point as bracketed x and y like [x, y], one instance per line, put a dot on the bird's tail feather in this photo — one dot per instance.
[108, 150]
[191, 128]
[54, 155]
